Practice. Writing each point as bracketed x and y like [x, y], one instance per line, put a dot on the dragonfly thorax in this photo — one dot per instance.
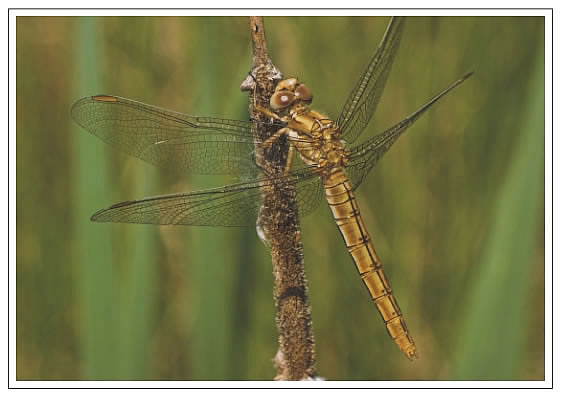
[316, 137]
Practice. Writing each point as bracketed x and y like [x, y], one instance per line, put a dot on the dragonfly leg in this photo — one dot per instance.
[289, 158]
[267, 112]
[275, 137]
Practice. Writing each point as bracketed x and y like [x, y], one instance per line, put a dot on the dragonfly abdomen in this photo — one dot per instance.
[344, 208]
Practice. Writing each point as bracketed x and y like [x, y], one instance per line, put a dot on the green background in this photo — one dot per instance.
[455, 209]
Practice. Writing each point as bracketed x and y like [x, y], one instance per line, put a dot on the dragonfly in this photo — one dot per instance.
[328, 168]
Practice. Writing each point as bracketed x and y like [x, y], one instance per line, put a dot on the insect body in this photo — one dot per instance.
[318, 142]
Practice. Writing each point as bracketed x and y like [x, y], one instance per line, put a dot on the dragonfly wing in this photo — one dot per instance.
[363, 100]
[309, 193]
[365, 156]
[232, 205]
[168, 139]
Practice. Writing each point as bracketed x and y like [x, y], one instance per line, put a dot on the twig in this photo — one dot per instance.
[279, 226]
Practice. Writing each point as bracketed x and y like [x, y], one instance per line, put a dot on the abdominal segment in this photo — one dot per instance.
[345, 210]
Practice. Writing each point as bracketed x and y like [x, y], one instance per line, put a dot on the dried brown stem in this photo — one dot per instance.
[279, 225]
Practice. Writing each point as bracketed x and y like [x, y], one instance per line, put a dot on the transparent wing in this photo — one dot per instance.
[363, 100]
[232, 205]
[169, 139]
[309, 193]
[364, 157]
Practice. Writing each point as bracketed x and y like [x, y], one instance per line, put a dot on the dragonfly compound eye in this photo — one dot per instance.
[281, 100]
[303, 92]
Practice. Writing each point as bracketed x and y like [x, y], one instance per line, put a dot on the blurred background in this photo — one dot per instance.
[455, 208]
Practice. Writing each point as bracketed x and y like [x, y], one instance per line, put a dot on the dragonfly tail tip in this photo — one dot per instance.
[412, 355]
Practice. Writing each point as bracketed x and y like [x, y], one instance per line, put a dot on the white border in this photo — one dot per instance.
[353, 384]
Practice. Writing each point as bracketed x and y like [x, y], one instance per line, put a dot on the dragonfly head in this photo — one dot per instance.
[289, 92]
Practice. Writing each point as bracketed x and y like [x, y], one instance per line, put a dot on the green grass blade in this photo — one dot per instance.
[93, 251]
[492, 345]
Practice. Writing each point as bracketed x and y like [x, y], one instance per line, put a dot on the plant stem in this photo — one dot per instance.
[278, 224]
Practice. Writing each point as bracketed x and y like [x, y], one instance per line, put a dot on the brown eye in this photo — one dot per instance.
[281, 99]
[302, 92]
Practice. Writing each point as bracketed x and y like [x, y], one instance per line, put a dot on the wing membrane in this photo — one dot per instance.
[232, 205]
[168, 139]
[363, 100]
[365, 156]
[238, 204]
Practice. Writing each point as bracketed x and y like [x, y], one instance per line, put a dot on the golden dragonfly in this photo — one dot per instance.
[222, 146]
